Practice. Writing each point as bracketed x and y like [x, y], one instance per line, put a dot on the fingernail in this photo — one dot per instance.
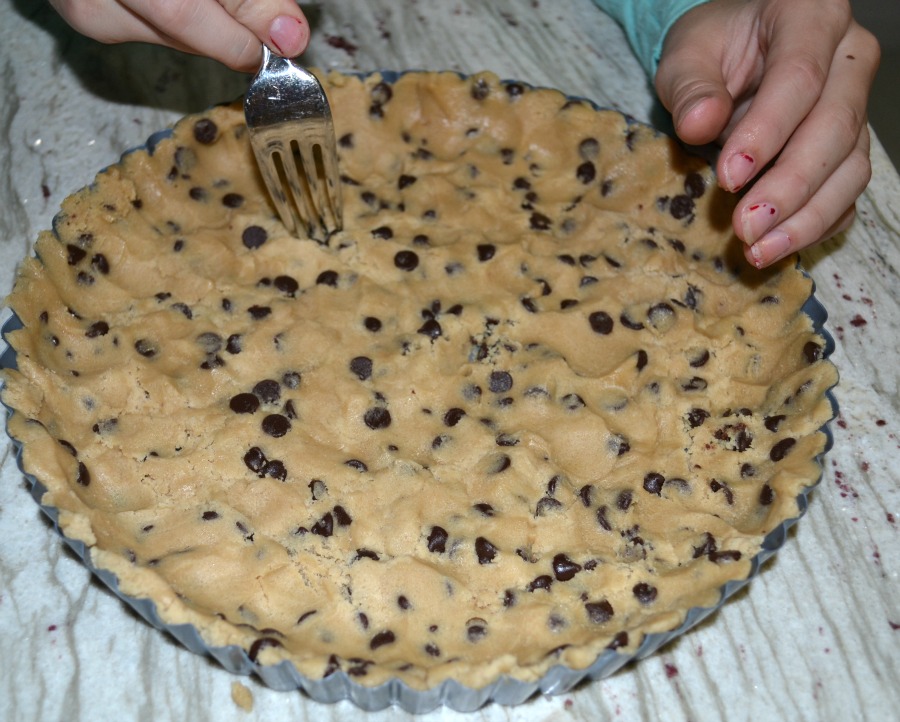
[738, 170]
[288, 35]
[757, 219]
[772, 247]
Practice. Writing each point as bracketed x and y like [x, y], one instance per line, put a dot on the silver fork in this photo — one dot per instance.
[292, 135]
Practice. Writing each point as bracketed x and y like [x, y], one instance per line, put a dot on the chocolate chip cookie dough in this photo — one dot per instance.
[529, 404]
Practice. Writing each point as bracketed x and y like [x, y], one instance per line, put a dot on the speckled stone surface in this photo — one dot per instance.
[814, 637]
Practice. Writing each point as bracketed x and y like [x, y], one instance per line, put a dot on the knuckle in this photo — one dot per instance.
[848, 119]
[808, 73]
[860, 167]
[174, 13]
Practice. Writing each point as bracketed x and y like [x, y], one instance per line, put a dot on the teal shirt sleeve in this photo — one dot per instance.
[646, 23]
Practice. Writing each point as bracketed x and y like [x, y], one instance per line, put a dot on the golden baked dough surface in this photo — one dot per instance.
[528, 404]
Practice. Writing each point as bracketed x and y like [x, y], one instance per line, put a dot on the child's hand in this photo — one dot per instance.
[783, 82]
[230, 31]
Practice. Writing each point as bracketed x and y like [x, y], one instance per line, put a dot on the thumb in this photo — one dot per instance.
[690, 84]
[280, 24]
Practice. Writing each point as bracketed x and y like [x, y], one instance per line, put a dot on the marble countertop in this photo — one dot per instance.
[815, 637]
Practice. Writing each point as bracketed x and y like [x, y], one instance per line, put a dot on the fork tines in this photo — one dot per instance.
[292, 135]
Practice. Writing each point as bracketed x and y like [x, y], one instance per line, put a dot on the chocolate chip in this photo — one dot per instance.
[275, 469]
[618, 444]
[544, 581]
[366, 554]
[183, 309]
[539, 222]
[437, 540]
[83, 477]
[324, 526]
[210, 342]
[645, 593]
[476, 630]
[257, 313]
[254, 236]
[244, 403]
[360, 466]
[146, 348]
[716, 486]
[500, 382]
[361, 366]
[403, 603]
[586, 172]
[382, 638]
[276, 425]
[261, 644]
[699, 358]
[100, 328]
[432, 650]
[405, 180]
[766, 495]
[626, 321]
[812, 352]
[572, 402]
[210, 515]
[372, 324]
[501, 463]
[782, 449]
[341, 516]
[327, 278]
[694, 384]
[406, 260]
[381, 93]
[232, 200]
[653, 483]
[694, 185]
[100, 264]
[547, 505]
[255, 460]
[642, 359]
[377, 417]
[681, 206]
[726, 555]
[453, 416]
[696, 417]
[599, 612]
[486, 251]
[384, 233]
[708, 545]
[67, 446]
[484, 509]
[603, 518]
[564, 568]
[287, 285]
[601, 322]
[480, 89]
[485, 551]
[268, 391]
[205, 131]
[233, 345]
